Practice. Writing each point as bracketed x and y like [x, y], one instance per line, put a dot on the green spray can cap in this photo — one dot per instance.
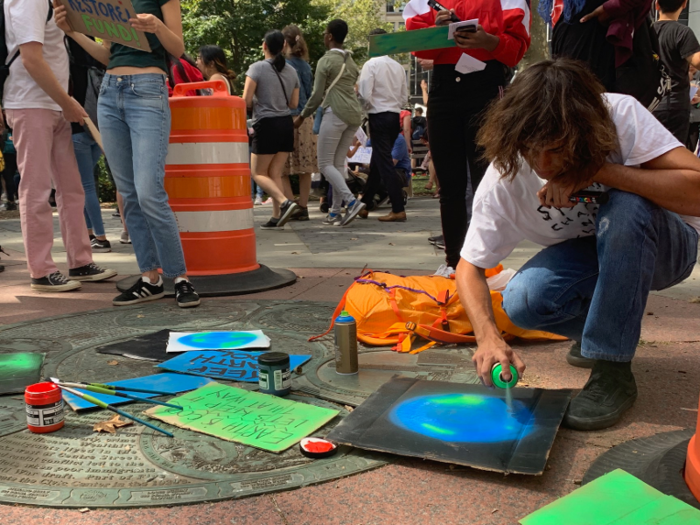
[498, 380]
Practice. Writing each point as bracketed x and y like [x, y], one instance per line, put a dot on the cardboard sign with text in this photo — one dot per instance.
[106, 19]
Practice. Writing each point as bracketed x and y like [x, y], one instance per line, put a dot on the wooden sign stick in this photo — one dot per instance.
[94, 132]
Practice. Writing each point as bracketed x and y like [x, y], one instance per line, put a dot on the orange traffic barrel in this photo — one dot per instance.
[208, 181]
[692, 463]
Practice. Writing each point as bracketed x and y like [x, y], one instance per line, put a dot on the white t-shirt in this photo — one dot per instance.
[506, 213]
[25, 21]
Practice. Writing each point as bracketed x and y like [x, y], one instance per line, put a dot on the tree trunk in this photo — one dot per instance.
[539, 47]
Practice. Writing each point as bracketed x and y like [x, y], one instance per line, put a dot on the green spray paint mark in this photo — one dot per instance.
[618, 498]
[19, 370]
[437, 430]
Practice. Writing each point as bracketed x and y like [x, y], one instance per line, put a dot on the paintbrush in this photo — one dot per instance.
[80, 384]
[102, 404]
[109, 392]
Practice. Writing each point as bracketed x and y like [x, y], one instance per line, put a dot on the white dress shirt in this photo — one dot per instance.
[382, 86]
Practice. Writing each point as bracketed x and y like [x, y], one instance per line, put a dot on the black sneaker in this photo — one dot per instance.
[301, 214]
[91, 272]
[140, 293]
[575, 357]
[286, 211]
[11, 206]
[99, 246]
[272, 224]
[609, 393]
[436, 238]
[185, 295]
[440, 245]
[56, 282]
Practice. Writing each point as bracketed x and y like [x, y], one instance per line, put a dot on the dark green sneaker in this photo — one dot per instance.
[609, 393]
[575, 357]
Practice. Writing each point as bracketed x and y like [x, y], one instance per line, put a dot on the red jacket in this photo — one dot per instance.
[509, 20]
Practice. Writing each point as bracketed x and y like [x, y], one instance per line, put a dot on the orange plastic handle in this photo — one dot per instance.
[219, 87]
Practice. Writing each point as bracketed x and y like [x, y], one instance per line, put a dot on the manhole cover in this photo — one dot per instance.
[137, 467]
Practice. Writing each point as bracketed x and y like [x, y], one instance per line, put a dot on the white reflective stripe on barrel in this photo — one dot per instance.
[214, 221]
[207, 153]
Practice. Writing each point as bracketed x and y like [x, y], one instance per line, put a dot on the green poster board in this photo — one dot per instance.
[618, 498]
[251, 418]
[407, 41]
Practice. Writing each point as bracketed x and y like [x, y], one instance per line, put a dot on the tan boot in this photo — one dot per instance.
[363, 214]
[394, 217]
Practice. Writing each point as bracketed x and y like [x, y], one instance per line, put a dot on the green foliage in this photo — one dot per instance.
[238, 26]
[107, 189]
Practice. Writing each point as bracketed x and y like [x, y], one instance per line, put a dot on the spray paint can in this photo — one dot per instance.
[497, 377]
[346, 345]
[44, 407]
[274, 375]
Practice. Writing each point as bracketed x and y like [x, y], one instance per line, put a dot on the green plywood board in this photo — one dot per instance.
[251, 418]
[408, 41]
[19, 370]
[618, 498]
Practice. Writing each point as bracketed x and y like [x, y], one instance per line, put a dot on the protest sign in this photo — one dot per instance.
[362, 156]
[259, 420]
[106, 19]
[407, 41]
[221, 340]
[229, 365]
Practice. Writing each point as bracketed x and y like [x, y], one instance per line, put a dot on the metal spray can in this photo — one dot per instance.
[497, 377]
[346, 344]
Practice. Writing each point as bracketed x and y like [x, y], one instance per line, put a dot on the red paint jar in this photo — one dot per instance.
[44, 405]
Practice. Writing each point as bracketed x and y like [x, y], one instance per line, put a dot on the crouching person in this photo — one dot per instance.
[553, 134]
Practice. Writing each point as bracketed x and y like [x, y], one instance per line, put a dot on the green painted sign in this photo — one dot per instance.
[618, 498]
[251, 418]
[408, 41]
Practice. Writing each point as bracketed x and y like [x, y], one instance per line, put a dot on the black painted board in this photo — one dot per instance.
[456, 423]
[150, 347]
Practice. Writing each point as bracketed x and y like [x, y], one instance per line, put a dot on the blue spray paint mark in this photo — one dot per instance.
[218, 340]
[461, 418]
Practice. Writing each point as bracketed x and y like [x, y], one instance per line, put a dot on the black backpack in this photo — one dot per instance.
[5, 68]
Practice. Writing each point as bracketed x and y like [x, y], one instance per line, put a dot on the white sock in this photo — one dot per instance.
[179, 279]
[147, 280]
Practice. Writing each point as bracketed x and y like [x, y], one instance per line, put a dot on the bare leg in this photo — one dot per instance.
[304, 189]
[261, 166]
[287, 187]
[120, 206]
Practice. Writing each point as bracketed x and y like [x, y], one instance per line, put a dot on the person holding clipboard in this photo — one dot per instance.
[496, 40]
[134, 118]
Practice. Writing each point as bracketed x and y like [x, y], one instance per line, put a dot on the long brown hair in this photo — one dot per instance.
[551, 103]
[296, 45]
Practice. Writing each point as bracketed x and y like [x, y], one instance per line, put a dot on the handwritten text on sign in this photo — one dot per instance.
[259, 420]
[230, 365]
[106, 19]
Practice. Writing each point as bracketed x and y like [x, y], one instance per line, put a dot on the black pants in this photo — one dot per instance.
[9, 175]
[455, 106]
[383, 130]
[693, 135]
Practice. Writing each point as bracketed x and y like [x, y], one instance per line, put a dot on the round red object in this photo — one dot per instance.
[44, 406]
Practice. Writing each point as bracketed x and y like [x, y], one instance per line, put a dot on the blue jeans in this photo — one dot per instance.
[134, 118]
[594, 289]
[88, 153]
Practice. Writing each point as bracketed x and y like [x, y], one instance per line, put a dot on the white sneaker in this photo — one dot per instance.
[124, 239]
[268, 202]
[257, 201]
[445, 271]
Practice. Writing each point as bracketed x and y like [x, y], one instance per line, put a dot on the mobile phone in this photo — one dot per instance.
[466, 29]
[437, 6]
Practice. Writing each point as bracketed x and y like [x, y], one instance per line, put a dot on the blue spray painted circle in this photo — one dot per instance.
[463, 418]
[217, 340]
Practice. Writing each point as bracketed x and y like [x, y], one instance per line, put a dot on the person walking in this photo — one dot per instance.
[39, 111]
[383, 91]
[272, 91]
[134, 118]
[303, 160]
[334, 92]
[212, 62]
[457, 101]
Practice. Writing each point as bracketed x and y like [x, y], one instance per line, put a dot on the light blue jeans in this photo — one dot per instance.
[88, 153]
[134, 120]
[594, 289]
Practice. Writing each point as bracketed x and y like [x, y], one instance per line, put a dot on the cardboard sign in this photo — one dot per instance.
[229, 340]
[408, 41]
[231, 365]
[251, 418]
[457, 423]
[363, 155]
[106, 19]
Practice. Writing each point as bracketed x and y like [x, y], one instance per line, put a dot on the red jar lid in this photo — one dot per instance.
[40, 393]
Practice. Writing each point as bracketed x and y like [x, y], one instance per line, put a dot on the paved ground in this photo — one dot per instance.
[410, 491]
